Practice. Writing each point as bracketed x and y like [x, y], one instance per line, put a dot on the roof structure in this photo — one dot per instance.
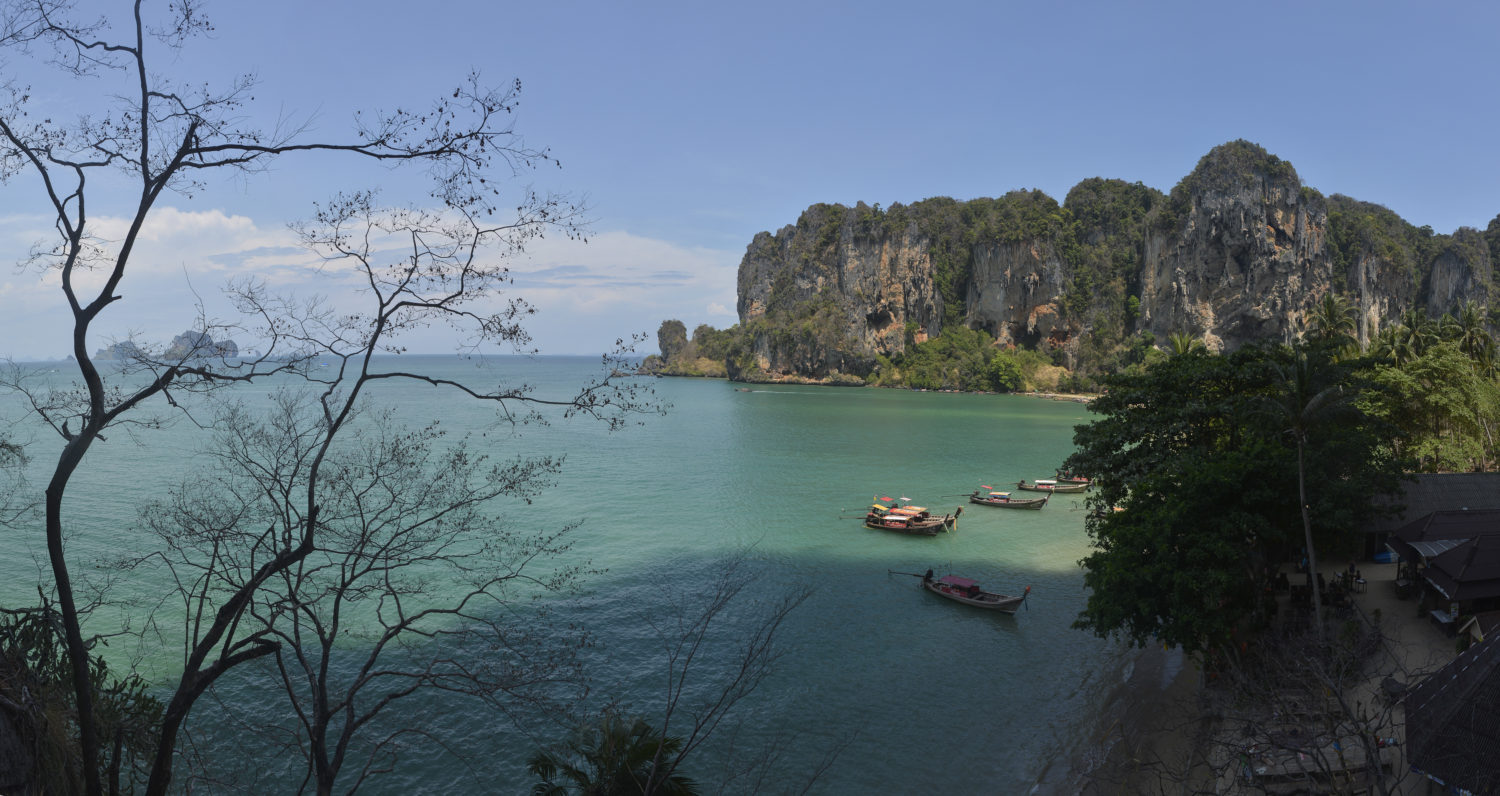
[1451, 732]
[1469, 571]
[1430, 492]
[1487, 621]
[1440, 532]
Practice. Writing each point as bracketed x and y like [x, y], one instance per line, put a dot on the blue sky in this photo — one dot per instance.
[689, 127]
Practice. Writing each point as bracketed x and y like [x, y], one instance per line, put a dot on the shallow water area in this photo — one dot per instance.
[917, 693]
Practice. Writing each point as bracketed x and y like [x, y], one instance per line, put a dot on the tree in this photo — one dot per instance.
[1308, 396]
[161, 136]
[1449, 409]
[1465, 327]
[1333, 322]
[1179, 343]
[614, 757]
[1188, 451]
[400, 524]
[695, 706]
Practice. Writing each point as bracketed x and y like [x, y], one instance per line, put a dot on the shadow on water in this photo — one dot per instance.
[924, 693]
[919, 692]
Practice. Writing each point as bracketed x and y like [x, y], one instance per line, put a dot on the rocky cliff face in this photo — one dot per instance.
[1013, 293]
[1243, 255]
[1239, 251]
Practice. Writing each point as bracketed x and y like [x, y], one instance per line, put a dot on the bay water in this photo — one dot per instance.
[905, 691]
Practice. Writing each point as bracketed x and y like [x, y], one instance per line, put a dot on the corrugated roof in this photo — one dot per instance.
[1451, 731]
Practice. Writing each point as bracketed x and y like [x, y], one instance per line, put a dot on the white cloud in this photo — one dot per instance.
[586, 294]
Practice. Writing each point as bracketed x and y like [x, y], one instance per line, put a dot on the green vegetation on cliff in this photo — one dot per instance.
[1239, 250]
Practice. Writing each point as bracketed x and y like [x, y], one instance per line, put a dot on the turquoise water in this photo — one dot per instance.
[915, 692]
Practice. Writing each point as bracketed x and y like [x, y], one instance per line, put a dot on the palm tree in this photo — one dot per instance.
[1180, 343]
[1299, 407]
[1416, 333]
[1465, 326]
[1333, 321]
[615, 757]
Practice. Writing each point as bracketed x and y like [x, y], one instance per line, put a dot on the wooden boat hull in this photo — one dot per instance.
[931, 528]
[987, 600]
[1064, 488]
[1013, 503]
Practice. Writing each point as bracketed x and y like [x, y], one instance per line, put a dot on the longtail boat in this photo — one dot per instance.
[910, 519]
[1050, 485]
[1067, 477]
[1004, 500]
[968, 592]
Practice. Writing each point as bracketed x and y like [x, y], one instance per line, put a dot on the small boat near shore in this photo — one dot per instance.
[1051, 485]
[1004, 500]
[968, 592]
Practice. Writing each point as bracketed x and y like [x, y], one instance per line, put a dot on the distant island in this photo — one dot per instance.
[1021, 292]
[188, 345]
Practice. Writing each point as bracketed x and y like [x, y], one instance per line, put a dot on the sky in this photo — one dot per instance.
[689, 127]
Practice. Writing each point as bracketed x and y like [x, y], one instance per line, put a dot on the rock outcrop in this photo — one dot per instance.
[1240, 250]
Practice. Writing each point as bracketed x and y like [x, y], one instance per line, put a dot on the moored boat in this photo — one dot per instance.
[1005, 500]
[1050, 485]
[1067, 477]
[910, 519]
[968, 592]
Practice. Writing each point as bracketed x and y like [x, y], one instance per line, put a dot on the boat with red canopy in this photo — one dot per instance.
[910, 519]
[968, 592]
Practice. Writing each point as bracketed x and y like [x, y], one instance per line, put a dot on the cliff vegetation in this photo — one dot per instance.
[935, 293]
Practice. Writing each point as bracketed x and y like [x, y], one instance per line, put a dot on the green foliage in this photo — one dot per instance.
[1359, 230]
[1208, 483]
[958, 359]
[1224, 169]
[35, 671]
[1449, 408]
[613, 757]
[1004, 373]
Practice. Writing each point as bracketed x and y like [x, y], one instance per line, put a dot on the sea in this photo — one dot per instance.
[879, 687]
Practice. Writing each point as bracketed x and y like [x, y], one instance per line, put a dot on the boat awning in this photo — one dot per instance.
[954, 580]
[1000, 494]
[1046, 482]
[917, 509]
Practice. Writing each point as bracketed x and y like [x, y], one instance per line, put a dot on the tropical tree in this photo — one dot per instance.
[1465, 327]
[1188, 452]
[1306, 397]
[615, 756]
[1411, 337]
[1180, 343]
[1449, 409]
[1332, 322]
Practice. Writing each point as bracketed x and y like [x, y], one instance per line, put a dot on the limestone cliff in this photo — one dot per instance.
[1240, 250]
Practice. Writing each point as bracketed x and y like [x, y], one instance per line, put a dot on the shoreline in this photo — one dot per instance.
[1145, 736]
[1081, 398]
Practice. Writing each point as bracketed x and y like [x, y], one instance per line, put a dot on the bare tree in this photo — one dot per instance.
[1305, 711]
[163, 136]
[411, 548]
